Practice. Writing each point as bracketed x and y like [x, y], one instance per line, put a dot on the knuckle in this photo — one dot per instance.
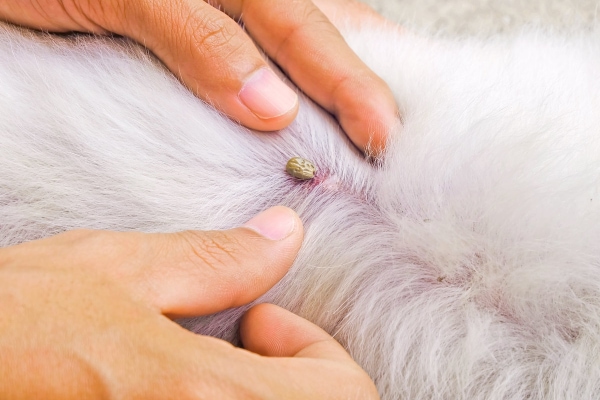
[211, 32]
[305, 20]
[214, 249]
[313, 13]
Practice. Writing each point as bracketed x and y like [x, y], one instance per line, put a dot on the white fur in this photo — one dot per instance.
[467, 267]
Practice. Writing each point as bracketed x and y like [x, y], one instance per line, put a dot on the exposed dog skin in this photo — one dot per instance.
[466, 266]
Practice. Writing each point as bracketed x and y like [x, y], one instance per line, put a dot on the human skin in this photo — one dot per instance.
[86, 315]
[214, 57]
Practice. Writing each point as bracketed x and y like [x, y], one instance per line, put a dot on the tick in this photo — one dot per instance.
[300, 168]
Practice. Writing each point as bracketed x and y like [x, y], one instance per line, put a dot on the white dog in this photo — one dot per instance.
[467, 266]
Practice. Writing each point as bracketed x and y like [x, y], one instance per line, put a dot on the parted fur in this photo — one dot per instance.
[466, 266]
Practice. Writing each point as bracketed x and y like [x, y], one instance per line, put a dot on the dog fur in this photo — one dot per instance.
[466, 266]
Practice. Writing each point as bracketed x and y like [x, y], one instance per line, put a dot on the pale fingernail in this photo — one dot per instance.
[267, 96]
[276, 223]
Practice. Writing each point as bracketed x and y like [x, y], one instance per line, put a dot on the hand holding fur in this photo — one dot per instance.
[83, 316]
[215, 58]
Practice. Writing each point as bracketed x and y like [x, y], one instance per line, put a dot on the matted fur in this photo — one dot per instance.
[466, 267]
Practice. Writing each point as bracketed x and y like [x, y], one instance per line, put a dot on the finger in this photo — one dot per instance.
[326, 68]
[309, 362]
[181, 274]
[213, 56]
[53, 16]
[272, 331]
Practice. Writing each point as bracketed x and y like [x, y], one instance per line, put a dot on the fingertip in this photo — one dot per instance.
[276, 223]
[247, 118]
[256, 331]
[269, 330]
[259, 101]
[269, 98]
[216, 59]
[284, 337]
[371, 120]
[272, 331]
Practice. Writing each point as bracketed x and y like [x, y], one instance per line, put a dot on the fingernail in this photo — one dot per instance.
[276, 223]
[266, 95]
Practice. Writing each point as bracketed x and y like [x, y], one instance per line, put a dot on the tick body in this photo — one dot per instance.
[300, 168]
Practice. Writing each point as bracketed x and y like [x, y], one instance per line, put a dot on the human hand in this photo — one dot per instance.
[83, 316]
[217, 60]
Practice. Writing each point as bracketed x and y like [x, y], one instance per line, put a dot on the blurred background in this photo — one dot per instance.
[486, 17]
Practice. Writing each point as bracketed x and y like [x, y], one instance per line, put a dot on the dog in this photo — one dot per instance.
[464, 265]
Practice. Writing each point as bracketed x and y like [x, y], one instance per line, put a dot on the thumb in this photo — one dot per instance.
[181, 274]
[185, 273]
[203, 272]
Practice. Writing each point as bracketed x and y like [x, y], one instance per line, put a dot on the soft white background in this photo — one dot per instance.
[488, 16]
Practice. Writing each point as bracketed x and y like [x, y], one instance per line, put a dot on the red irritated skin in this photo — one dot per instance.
[202, 44]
